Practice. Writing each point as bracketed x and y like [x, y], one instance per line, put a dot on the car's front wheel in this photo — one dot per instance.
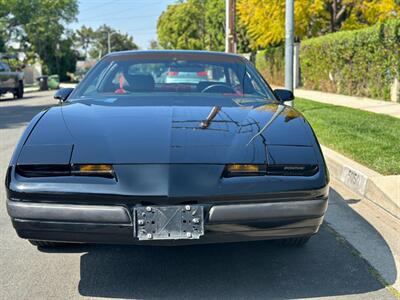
[297, 241]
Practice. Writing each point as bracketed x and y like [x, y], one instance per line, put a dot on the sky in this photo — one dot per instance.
[137, 18]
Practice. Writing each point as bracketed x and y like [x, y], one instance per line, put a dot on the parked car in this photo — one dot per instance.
[11, 82]
[126, 160]
[185, 74]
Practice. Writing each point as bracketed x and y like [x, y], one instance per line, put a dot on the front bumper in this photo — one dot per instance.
[116, 224]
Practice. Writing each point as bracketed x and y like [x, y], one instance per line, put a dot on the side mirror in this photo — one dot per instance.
[62, 94]
[284, 95]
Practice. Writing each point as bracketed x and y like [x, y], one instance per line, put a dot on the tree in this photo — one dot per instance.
[3, 39]
[181, 26]
[153, 44]
[39, 29]
[215, 25]
[118, 41]
[243, 38]
[83, 38]
[66, 59]
[215, 28]
[197, 24]
[355, 14]
[265, 19]
[4, 11]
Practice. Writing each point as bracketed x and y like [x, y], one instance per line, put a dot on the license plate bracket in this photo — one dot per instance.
[169, 222]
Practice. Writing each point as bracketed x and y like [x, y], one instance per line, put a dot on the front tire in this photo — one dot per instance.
[296, 242]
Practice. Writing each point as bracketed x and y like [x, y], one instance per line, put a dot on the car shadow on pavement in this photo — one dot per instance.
[351, 225]
[326, 266]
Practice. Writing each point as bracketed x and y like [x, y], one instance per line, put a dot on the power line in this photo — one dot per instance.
[99, 5]
[146, 28]
[140, 34]
[141, 30]
[117, 13]
[98, 19]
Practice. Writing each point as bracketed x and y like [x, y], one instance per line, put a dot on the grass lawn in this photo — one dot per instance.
[368, 138]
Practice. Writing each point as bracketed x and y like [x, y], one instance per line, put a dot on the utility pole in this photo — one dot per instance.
[230, 30]
[108, 42]
[289, 41]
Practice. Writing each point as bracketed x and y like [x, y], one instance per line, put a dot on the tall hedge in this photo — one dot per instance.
[271, 63]
[361, 62]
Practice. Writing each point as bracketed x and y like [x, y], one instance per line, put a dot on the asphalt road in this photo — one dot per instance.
[326, 267]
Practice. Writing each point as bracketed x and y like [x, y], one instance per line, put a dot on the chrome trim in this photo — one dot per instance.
[267, 211]
[69, 212]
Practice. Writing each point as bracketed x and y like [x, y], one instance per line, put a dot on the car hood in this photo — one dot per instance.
[96, 132]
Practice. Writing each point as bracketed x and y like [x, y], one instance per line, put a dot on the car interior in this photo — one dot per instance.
[145, 78]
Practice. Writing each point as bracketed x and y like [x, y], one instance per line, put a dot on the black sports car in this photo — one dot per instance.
[129, 157]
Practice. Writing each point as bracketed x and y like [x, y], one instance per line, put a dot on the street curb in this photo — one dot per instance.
[29, 90]
[32, 89]
[384, 191]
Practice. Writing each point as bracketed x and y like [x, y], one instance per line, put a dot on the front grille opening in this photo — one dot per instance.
[43, 170]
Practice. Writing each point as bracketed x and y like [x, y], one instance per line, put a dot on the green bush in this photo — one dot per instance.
[271, 63]
[360, 62]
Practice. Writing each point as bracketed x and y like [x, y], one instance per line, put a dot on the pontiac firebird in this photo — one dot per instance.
[128, 157]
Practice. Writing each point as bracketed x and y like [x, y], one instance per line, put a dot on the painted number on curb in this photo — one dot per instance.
[354, 179]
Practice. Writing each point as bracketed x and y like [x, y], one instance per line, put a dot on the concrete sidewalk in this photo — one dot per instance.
[35, 88]
[367, 104]
[30, 89]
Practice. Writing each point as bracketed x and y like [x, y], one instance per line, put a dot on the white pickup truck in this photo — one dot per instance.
[11, 82]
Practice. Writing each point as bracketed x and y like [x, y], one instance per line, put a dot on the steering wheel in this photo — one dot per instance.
[218, 88]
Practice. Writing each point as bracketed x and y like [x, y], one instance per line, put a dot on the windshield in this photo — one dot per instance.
[122, 76]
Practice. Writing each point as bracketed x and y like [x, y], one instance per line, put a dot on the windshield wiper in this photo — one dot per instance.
[278, 111]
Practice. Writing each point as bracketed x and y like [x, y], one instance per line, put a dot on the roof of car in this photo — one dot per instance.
[199, 53]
